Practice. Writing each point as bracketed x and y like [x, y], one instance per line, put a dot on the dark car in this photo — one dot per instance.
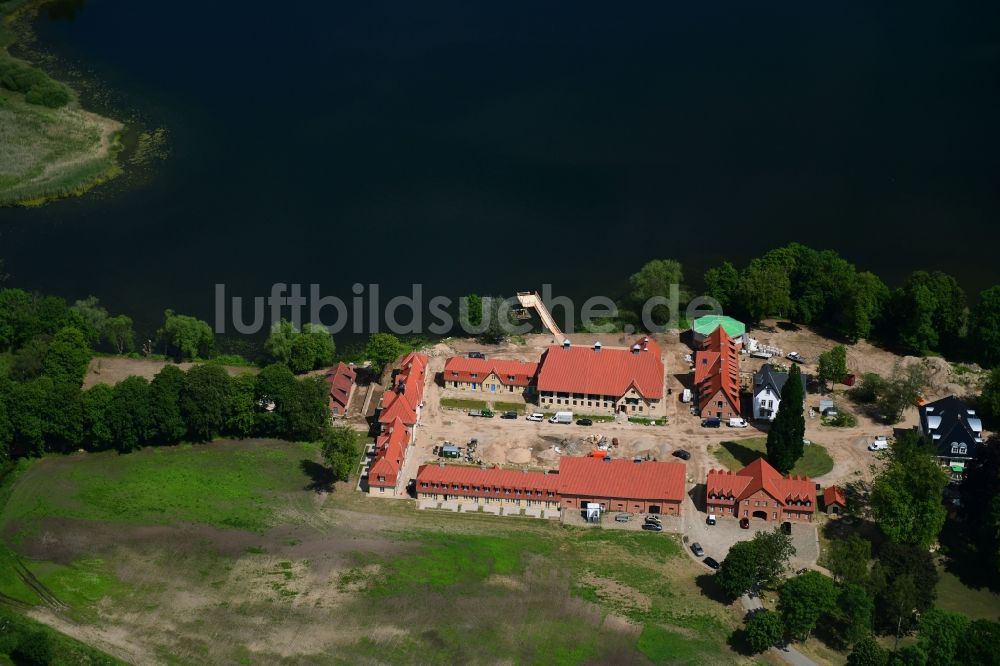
[479, 355]
[697, 549]
[712, 422]
[682, 454]
[584, 422]
[711, 563]
[509, 415]
[652, 527]
[745, 523]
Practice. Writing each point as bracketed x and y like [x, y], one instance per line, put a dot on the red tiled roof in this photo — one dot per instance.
[610, 371]
[620, 478]
[717, 368]
[723, 483]
[407, 392]
[492, 481]
[834, 495]
[461, 369]
[759, 475]
[340, 378]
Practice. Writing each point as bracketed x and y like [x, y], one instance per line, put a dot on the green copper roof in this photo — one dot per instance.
[705, 325]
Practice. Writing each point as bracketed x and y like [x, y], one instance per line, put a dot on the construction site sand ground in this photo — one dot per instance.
[527, 444]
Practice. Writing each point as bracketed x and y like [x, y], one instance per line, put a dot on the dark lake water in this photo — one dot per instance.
[494, 148]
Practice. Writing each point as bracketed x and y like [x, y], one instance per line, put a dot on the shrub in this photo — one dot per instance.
[37, 87]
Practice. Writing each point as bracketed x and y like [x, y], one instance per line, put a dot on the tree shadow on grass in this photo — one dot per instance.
[739, 643]
[744, 454]
[963, 561]
[710, 588]
[321, 477]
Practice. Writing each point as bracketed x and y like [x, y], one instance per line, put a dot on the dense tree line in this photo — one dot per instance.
[929, 312]
[45, 349]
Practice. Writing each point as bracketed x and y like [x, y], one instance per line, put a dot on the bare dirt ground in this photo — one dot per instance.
[112, 369]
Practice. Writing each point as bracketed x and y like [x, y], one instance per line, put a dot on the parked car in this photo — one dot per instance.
[509, 415]
[682, 454]
[711, 563]
[653, 527]
[623, 518]
[477, 354]
[745, 523]
[686, 395]
[711, 422]
[880, 444]
[697, 549]
[535, 416]
[738, 423]
[710, 520]
[795, 357]
[561, 417]
[585, 422]
[653, 518]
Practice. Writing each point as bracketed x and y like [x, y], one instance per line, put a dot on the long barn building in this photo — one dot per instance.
[616, 485]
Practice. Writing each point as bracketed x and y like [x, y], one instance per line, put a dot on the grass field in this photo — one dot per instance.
[815, 460]
[48, 153]
[981, 604]
[463, 403]
[221, 553]
[518, 407]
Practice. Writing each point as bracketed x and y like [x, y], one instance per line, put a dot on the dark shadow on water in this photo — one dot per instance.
[320, 475]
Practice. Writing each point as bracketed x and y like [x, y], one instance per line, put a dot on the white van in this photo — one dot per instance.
[536, 416]
[881, 443]
[562, 417]
[738, 423]
[686, 395]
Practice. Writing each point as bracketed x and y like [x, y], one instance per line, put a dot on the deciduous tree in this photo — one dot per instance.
[382, 350]
[803, 600]
[341, 448]
[722, 283]
[206, 401]
[849, 558]
[190, 337]
[167, 422]
[656, 279]
[128, 414]
[67, 357]
[984, 327]
[764, 630]
[118, 332]
[867, 652]
[833, 365]
[906, 498]
[941, 636]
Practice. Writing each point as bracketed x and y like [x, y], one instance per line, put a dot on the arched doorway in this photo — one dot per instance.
[760, 514]
[786, 527]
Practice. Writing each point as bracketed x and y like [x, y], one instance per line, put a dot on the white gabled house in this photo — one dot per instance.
[767, 385]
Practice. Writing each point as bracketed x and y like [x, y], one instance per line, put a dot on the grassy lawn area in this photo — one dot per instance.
[463, 403]
[815, 461]
[224, 485]
[978, 604]
[518, 407]
[221, 554]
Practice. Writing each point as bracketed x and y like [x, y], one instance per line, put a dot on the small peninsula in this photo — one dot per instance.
[50, 147]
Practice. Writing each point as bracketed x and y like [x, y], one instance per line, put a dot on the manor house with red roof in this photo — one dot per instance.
[758, 491]
[625, 380]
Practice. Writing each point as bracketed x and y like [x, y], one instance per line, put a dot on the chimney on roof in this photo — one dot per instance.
[645, 344]
[597, 346]
[566, 343]
[636, 348]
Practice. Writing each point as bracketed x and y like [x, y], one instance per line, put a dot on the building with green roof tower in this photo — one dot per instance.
[704, 326]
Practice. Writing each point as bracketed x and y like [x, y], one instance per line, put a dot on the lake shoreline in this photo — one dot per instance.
[51, 153]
